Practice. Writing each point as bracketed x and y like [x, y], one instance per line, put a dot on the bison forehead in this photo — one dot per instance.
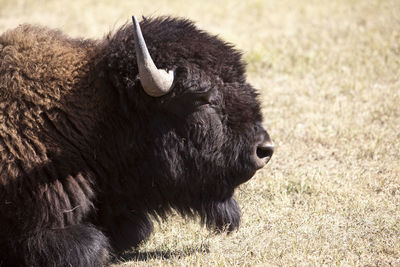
[203, 62]
[177, 42]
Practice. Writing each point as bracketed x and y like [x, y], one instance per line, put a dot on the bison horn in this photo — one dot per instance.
[155, 82]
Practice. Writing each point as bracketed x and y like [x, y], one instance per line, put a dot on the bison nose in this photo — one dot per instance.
[264, 151]
[264, 147]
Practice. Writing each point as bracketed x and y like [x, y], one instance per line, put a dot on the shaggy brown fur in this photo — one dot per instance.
[49, 112]
[86, 156]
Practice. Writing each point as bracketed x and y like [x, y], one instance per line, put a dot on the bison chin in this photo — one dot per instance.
[221, 216]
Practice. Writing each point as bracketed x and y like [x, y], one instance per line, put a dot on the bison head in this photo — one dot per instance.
[193, 124]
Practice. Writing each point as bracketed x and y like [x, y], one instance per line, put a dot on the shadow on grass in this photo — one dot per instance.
[161, 254]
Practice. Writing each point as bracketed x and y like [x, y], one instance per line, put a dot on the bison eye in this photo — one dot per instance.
[206, 97]
[190, 101]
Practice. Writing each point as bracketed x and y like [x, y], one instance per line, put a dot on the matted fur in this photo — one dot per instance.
[87, 158]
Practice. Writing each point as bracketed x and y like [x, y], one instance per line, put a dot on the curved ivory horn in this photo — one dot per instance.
[155, 82]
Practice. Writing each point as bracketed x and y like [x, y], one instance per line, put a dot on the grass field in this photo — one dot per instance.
[329, 76]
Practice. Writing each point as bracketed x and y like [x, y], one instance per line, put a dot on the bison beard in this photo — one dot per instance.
[89, 156]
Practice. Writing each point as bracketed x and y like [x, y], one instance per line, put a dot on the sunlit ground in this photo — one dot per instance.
[328, 73]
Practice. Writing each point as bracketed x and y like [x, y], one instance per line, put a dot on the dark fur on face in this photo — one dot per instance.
[88, 158]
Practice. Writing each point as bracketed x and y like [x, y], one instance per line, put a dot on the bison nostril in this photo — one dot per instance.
[265, 151]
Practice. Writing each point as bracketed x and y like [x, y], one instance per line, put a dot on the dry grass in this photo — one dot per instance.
[328, 72]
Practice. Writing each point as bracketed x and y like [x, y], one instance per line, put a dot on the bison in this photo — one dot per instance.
[99, 137]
